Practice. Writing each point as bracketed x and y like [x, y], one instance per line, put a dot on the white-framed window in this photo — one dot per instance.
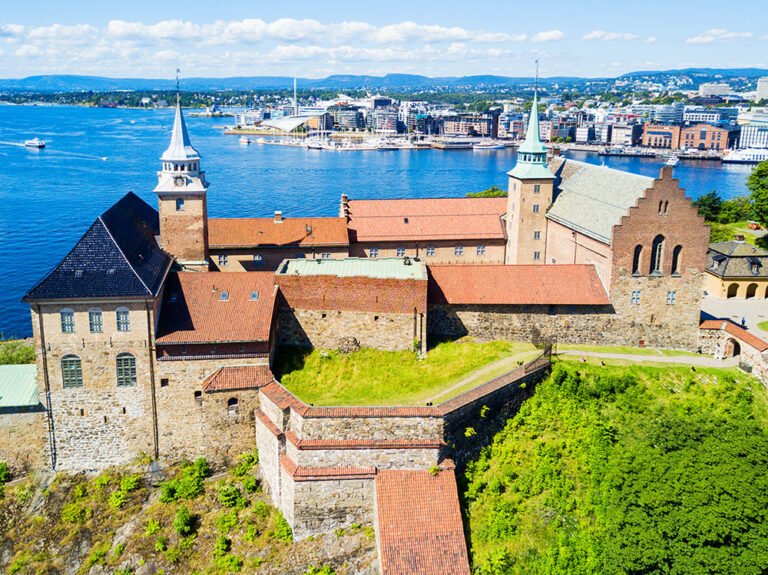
[537, 256]
[373, 252]
[325, 256]
[458, 251]
[71, 371]
[67, 321]
[636, 296]
[123, 319]
[481, 250]
[537, 235]
[95, 322]
[535, 208]
[671, 297]
[536, 188]
[400, 252]
[431, 251]
[223, 260]
[179, 204]
[126, 370]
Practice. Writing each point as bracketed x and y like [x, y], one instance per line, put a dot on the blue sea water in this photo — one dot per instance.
[48, 198]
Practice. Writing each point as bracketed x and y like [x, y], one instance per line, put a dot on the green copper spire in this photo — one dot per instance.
[532, 154]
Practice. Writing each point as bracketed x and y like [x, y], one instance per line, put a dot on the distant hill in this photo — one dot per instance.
[709, 72]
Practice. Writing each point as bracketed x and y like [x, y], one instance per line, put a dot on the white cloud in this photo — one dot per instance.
[603, 35]
[718, 35]
[548, 36]
[28, 50]
[11, 30]
[164, 30]
[650, 40]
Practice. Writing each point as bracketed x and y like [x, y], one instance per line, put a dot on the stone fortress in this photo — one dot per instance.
[157, 332]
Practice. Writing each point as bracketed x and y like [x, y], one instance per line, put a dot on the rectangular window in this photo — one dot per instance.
[537, 189]
[671, 297]
[537, 235]
[71, 371]
[400, 252]
[373, 252]
[481, 250]
[325, 256]
[223, 260]
[535, 208]
[430, 251]
[536, 256]
[636, 296]
[123, 320]
[458, 251]
[126, 370]
[94, 321]
[67, 321]
[179, 204]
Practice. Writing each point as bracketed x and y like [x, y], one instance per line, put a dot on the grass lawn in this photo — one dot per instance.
[627, 350]
[725, 232]
[372, 377]
[763, 325]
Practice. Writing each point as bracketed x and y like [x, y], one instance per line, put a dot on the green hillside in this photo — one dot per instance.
[626, 470]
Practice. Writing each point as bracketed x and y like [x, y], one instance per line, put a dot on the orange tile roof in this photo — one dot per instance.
[737, 331]
[193, 311]
[238, 377]
[264, 232]
[569, 284]
[427, 219]
[419, 523]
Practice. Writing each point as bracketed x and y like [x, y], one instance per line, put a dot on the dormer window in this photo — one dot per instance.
[179, 204]
[224, 296]
[254, 296]
[754, 265]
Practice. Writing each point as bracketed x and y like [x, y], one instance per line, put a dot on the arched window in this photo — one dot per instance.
[71, 371]
[232, 406]
[637, 260]
[657, 255]
[733, 289]
[751, 291]
[666, 206]
[661, 206]
[126, 370]
[676, 260]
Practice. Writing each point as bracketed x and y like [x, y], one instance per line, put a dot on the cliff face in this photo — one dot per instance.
[128, 521]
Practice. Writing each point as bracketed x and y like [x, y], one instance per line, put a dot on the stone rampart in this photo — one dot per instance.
[24, 438]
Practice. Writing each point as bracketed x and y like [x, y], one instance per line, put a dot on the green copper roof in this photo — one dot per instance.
[379, 268]
[532, 155]
[532, 141]
[18, 386]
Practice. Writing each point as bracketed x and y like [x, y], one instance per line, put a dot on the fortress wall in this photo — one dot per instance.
[406, 458]
[321, 506]
[327, 329]
[591, 325]
[351, 427]
[24, 439]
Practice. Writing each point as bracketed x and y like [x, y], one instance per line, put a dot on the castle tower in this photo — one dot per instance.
[531, 187]
[182, 204]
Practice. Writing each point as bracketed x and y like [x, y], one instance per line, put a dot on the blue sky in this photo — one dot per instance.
[313, 39]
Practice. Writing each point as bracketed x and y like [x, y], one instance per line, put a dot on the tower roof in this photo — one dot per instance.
[532, 141]
[532, 154]
[180, 148]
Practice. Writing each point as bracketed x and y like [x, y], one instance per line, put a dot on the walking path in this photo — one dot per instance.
[702, 360]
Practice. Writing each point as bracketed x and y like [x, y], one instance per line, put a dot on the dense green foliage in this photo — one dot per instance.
[626, 470]
[715, 209]
[16, 352]
[492, 192]
[375, 377]
[758, 186]
[5, 476]
[188, 484]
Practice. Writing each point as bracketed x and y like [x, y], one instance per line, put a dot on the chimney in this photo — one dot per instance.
[278, 217]
[666, 173]
[344, 207]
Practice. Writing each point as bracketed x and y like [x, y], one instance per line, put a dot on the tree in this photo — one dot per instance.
[492, 192]
[709, 206]
[758, 185]
[736, 210]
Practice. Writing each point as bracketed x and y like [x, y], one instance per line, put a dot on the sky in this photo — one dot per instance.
[150, 39]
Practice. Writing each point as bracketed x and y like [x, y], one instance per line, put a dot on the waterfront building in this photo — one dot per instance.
[661, 136]
[762, 90]
[625, 134]
[707, 137]
[753, 136]
[472, 124]
[714, 89]
[585, 134]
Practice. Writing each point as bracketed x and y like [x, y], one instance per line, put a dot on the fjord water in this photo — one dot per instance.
[48, 198]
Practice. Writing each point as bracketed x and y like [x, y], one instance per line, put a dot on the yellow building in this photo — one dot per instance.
[737, 269]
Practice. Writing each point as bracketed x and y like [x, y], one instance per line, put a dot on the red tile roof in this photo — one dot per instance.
[516, 285]
[238, 377]
[305, 473]
[353, 293]
[419, 524]
[193, 311]
[736, 331]
[427, 219]
[352, 444]
[264, 232]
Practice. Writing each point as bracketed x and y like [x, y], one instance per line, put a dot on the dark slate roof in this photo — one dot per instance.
[737, 259]
[117, 257]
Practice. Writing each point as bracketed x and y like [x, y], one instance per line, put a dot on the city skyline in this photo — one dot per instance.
[434, 39]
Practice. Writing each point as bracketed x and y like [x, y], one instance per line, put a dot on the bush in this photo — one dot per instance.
[102, 481]
[184, 522]
[161, 544]
[251, 484]
[152, 527]
[188, 484]
[261, 510]
[245, 462]
[118, 499]
[130, 483]
[281, 531]
[5, 473]
[226, 522]
[324, 570]
[230, 496]
[74, 513]
[16, 352]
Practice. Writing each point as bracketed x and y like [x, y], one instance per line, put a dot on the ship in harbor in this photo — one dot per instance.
[746, 156]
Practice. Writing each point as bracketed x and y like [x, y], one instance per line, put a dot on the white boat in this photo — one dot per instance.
[245, 140]
[672, 161]
[746, 156]
[488, 145]
[35, 143]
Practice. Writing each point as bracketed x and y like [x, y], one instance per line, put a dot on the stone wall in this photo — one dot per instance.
[713, 342]
[321, 506]
[24, 439]
[566, 246]
[491, 251]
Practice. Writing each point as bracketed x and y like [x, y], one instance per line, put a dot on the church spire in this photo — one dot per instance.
[180, 148]
[532, 154]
